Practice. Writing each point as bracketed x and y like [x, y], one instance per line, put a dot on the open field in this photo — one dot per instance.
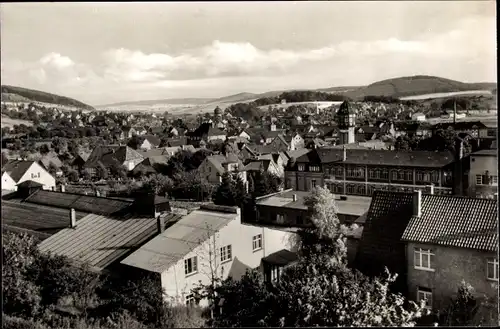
[442, 95]
[8, 122]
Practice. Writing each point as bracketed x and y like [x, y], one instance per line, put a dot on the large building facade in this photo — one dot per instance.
[360, 172]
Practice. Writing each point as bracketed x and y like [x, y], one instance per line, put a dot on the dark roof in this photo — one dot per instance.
[80, 202]
[36, 217]
[177, 141]
[102, 240]
[453, 221]
[281, 258]
[111, 154]
[346, 108]
[17, 168]
[380, 243]
[29, 183]
[154, 140]
[379, 157]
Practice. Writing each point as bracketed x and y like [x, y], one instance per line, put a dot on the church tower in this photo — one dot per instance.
[346, 122]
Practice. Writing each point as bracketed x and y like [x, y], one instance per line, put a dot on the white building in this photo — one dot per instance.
[483, 174]
[211, 240]
[18, 171]
[418, 117]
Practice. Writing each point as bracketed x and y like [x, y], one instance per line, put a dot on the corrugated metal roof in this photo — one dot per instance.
[460, 222]
[101, 240]
[85, 203]
[178, 240]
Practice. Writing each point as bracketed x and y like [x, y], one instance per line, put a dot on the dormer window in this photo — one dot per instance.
[300, 167]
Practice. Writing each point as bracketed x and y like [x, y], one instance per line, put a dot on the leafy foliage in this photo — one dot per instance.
[21, 296]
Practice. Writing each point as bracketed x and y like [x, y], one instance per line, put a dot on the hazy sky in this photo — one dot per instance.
[108, 52]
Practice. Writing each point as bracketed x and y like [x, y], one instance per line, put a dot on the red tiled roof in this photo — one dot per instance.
[456, 222]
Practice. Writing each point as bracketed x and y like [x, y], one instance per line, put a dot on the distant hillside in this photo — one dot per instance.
[171, 101]
[19, 94]
[416, 85]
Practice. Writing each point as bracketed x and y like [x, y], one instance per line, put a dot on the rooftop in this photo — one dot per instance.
[489, 152]
[166, 249]
[354, 205]
[37, 218]
[80, 202]
[460, 222]
[102, 240]
[379, 157]
[282, 257]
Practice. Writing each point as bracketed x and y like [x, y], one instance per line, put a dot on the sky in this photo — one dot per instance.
[102, 53]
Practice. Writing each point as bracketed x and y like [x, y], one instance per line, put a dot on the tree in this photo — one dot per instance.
[102, 171]
[462, 308]
[21, 297]
[402, 144]
[225, 194]
[52, 169]
[73, 175]
[44, 149]
[5, 159]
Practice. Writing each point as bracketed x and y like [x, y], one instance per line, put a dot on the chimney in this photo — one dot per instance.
[344, 153]
[417, 203]
[160, 223]
[63, 188]
[294, 198]
[72, 218]
[431, 188]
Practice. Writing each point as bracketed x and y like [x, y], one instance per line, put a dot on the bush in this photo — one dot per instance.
[9, 322]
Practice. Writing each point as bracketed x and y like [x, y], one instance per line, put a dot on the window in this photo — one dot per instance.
[340, 172]
[226, 254]
[314, 168]
[313, 183]
[394, 175]
[425, 294]
[435, 176]
[494, 180]
[38, 175]
[427, 177]
[385, 174]
[350, 172]
[300, 167]
[300, 220]
[401, 175]
[371, 173]
[257, 242]
[492, 269]
[479, 179]
[280, 218]
[409, 175]
[423, 259]
[351, 189]
[191, 265]
[190, 301]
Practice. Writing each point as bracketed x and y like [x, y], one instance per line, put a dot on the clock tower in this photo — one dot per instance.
[346, 122]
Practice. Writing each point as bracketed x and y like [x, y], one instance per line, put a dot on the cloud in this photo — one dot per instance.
[467, 51]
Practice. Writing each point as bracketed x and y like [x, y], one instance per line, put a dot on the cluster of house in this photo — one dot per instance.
[428, 216]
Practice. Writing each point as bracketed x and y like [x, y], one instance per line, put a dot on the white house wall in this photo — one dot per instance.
[177, 286]
[46, 179]
[8, 183]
